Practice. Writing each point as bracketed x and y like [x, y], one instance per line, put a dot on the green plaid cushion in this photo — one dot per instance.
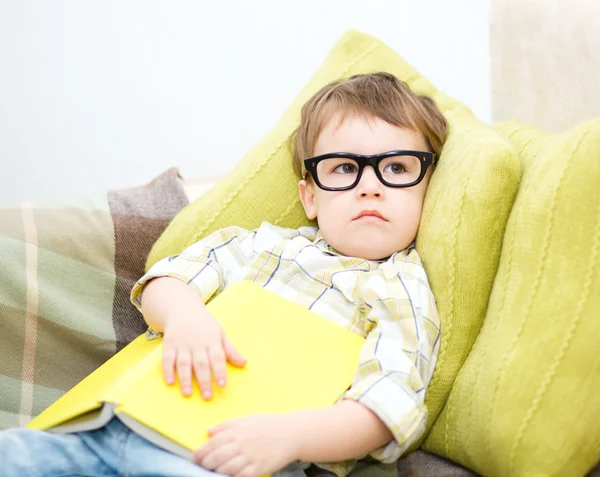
[66, 269]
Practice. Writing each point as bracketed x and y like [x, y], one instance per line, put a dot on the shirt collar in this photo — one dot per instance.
[321, 244]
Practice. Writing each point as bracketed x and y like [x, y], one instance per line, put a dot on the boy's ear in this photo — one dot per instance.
[307, 197]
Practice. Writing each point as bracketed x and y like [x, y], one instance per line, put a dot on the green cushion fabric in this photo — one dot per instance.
[464, 216]
[526, 402]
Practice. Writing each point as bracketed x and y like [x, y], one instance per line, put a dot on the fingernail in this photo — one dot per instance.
[187, 390]
[206, 395]
[221, 382]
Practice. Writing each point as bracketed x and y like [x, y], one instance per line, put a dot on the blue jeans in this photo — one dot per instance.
[112, 450]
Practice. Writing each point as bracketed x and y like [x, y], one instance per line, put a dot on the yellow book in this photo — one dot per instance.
[296, 360]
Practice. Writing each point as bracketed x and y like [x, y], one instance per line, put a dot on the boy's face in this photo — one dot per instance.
[348, 219]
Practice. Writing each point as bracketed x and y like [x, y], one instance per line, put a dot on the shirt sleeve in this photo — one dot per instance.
[397, 360]
[206, 266]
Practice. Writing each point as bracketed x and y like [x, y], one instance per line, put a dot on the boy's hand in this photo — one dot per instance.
[198, 345]
[252, 446]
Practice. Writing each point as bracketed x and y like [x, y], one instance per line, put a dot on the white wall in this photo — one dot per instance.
[108, 94]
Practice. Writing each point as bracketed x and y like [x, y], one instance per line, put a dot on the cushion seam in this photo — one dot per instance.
[452, 283]
[242, 185]
[527, 309]
[492, 333]
[567, 340]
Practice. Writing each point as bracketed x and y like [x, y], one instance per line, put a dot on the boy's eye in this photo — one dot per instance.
[395, 168]
[347, 168]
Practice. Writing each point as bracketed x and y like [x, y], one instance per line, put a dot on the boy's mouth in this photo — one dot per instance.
[370, 214]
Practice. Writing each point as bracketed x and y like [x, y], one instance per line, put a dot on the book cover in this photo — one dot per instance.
[296, 360]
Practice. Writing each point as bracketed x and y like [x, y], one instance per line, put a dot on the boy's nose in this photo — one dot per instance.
[369, 184]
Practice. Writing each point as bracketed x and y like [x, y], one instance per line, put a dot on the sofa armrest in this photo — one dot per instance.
[194, 188]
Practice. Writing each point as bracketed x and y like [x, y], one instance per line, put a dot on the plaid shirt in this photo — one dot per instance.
[389, 302]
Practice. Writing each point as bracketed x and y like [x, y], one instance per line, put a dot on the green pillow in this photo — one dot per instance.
[464, 216]
[527, 400]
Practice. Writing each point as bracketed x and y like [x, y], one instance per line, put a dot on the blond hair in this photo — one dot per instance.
[379, 95]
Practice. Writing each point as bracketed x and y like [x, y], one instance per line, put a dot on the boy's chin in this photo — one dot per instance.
[368, 243]
[371, 251]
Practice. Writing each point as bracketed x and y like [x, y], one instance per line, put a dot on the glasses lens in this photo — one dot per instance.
[399, 170]
[337, 172]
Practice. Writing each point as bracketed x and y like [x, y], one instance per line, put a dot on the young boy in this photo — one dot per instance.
[368, 146]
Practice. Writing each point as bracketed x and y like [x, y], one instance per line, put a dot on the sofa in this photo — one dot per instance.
[509, 237]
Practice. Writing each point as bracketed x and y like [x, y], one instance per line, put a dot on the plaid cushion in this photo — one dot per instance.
[66, 270]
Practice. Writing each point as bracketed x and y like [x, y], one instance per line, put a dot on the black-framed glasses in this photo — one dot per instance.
[343, 170]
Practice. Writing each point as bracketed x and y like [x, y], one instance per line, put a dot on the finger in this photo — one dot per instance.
[210, 446]
[203, 451]
[221, 427]
[232, 354]
[168, 364]
[183, 363]
[202, 373]
[220, 456]
[232, 466]
[248, 471]
[217, 364]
